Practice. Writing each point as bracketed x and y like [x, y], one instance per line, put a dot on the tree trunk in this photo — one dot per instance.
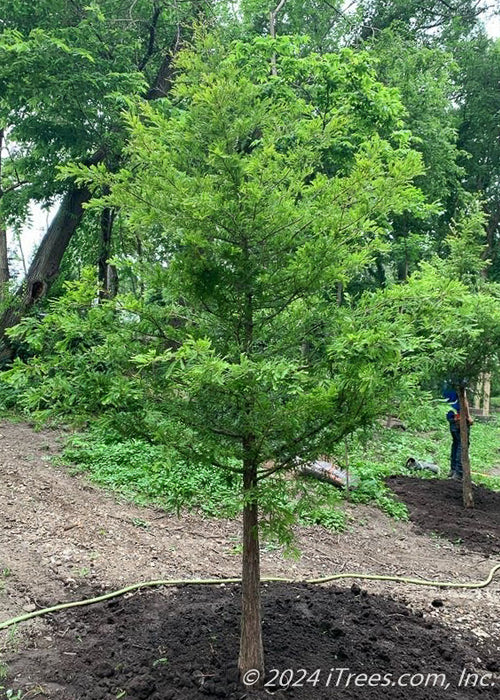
[45, 266]
[112, 281]
[486, 394]
[380, 273]
[272, 32]
[108, 278]
[340, 293]
[464, 439]
[482, 395]
[4, 260]
[251, 646]
[478, 392]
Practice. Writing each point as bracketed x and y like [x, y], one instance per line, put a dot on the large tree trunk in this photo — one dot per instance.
[486, 394]
[482, 395]
[45, 266]
[464, 439]
[251, 646]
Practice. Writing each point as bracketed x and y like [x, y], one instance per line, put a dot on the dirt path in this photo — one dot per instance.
[59, 534]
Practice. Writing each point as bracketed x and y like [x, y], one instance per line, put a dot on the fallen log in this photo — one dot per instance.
[330, 473]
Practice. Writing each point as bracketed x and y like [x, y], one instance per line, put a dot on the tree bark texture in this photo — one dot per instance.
[272, 32]
[45, 265]
[483, 395]
[4, 258]
[251, 646]
[464, 439]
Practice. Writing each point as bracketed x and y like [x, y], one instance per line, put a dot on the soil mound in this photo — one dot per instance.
[436, 506]
[182, 645]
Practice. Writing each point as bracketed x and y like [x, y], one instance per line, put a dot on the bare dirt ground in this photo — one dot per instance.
[436, 506]
[61, 535]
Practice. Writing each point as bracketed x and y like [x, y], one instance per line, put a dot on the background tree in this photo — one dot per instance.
[66, 69]
[430, 19]
[454, 312]
[79, 62]
[424, 78]
[479, 131]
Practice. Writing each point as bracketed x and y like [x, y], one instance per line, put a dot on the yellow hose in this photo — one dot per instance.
[218, 581]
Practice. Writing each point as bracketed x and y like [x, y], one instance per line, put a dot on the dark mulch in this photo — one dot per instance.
[183, 646]
[436, 505]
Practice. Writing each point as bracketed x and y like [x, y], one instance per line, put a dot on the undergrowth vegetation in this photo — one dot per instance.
[155, 474]
[385, 452]
[136, 462]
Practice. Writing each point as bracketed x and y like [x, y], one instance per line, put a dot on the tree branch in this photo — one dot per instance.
[272, 31]
[164, 77]
[152, 36]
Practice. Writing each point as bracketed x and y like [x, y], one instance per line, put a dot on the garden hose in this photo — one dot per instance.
[219, 581]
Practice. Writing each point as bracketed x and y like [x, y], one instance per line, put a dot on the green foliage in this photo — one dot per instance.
[66, 69]
[385, 451]
[485, 462]
[429, 20]
[451, 331]
[150, 473]
[156, 474]
[10, 399]
[479, 129]
[77, 361]
[424, 77]
[372, 489]
[11, 694]
[467, 246]
[255, 194]
[264, 196]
